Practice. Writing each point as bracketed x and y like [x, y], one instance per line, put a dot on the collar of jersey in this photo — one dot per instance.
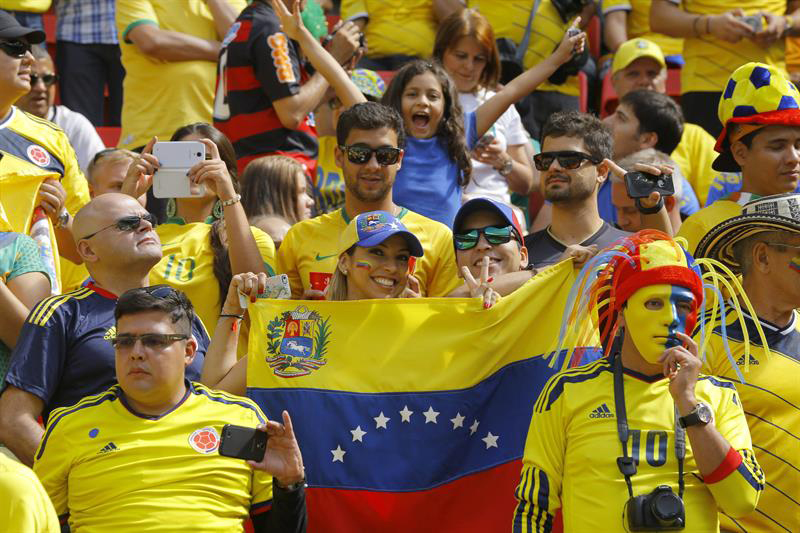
[347, 218]
[182, 222]
[8, 120]
[102, 292]
[132, 411]
[769, 326]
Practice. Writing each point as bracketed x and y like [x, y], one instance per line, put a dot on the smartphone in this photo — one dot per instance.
[754, 21]
[484, 141]
[175, 159]
[641, 184]
[243, 442]
[277, 287]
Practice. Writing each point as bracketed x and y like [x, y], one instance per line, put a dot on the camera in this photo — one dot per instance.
[661, 510]
[641, 184]
[569, 8]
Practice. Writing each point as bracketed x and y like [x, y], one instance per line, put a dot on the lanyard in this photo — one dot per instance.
[626, 464]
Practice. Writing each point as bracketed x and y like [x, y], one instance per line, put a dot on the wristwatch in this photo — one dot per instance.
[63, 218]
[290, 488]
[507, 167]
[700, 415]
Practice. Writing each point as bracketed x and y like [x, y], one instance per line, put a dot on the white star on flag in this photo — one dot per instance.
[381, 420]
[490, 440]
[405, 414]
[394, 225]
[474, 427]
[338, 454]
[430, 415]
[358, 434]
[458, 421]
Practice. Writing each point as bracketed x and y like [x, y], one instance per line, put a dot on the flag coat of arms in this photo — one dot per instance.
[411, 414]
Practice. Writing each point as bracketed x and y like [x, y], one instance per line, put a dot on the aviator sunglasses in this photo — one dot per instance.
[48, 79]
[360, 154]
[129, 223]
[494, 235]
[567, 159]
[16, 48]
[151, 341]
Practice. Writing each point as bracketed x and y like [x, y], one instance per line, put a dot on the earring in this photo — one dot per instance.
[171, 208]
[217, 211]
[343, 271]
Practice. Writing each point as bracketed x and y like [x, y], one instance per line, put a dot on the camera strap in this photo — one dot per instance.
[526, 37]
[626, 463]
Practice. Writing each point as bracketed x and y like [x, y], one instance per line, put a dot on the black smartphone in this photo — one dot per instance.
[641, 184]
[243, 442]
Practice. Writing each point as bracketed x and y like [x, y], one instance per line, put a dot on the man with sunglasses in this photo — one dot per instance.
[40, 102]
[572, 166]
[39, 158]
[142, 455]
[63, 352]
[371, 137]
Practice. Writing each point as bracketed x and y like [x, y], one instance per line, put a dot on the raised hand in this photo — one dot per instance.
[282, 458]
[682, 366]
[52, 197]
[213, 173]
[570, 44]
[139, 177]
[291, 23]
[481, 286]
[246, 283]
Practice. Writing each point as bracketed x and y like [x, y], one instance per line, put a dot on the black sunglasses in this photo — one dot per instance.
[494, 235]
[129, 223]
[48, 79]
[16, 48]
[151, 341]
[567, 159]
[360, 154]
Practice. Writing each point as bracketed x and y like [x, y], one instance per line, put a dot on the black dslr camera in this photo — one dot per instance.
[661, 510]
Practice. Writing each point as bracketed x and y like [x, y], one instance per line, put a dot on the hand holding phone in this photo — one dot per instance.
[243, 442]
[277, 287]
[175, 158]
[642, 184]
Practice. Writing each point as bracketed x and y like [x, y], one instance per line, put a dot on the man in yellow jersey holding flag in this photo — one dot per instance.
[763, 244]
[665, 446]
[143, 455]
[761, 112]
[308, 254]
[42, 183]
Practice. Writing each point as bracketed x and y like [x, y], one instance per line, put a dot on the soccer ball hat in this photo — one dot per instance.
[756, 95]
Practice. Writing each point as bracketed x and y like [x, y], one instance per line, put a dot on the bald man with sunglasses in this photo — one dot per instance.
[64, 351]
[573, 164]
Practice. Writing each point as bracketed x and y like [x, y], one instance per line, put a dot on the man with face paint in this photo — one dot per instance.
[763, 245]
[665, 446]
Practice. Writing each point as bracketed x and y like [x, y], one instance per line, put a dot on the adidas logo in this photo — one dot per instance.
[601, 412]
[110, 447]
[753, 361]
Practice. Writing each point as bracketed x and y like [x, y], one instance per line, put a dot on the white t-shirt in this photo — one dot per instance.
[486, 181]
[82, 135]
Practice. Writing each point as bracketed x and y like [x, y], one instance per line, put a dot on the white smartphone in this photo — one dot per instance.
[277, 288]
[175, 159]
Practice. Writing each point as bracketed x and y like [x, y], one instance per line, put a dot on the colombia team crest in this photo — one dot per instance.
[205, 440]
[38, 155]
[297, 342]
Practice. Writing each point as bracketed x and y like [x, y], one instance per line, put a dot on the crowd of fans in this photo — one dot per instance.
[408, 149]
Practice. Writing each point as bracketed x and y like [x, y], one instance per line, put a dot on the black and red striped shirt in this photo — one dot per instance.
[259, 64]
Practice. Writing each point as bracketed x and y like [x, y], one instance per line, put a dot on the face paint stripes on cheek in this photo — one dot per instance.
[794, 264]
[366, 265]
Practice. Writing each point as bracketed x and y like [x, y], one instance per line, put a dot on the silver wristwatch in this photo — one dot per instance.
[507, 167]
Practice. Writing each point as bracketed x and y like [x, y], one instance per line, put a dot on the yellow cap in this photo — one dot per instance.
[631, 50]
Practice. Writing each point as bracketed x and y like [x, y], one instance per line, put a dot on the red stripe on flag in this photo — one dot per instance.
[241, 79]
[479, 502]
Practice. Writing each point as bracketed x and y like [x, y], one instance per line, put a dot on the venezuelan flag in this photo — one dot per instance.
[411, 414]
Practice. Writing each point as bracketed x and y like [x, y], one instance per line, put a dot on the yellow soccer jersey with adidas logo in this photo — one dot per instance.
[570, 458]
[310, 250]
[34, 150]
[187, 264]
[112, 469]
[770, 396]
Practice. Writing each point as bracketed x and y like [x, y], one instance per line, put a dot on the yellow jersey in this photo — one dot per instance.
[162, 96]
[710, 61]
[34, 150]
[329, 184]
[30, 6]
[187, 264]
[638, 24]
[310, 250]
[694, 155]
[697, 225]
[24, 504]
[509, 19]
[112, 469]
[770, 396]
[570, 458]
[406, 27]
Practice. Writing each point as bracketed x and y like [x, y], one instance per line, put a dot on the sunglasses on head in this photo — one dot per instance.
[48, 79]
[360, 154]
[494, 235]
[128, 223]
[567, 159]
[16, 48]
[153, 341]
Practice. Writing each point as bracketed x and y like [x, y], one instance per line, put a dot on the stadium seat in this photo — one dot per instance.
[609, 100]
[387, 76]
[594, 35]
[109, 135]
[583, 97]
[332, 20]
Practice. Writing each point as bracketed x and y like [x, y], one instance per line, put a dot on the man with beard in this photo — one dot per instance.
[573, 166]
[370, 138]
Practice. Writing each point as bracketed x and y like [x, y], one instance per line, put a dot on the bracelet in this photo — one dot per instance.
[234, 200]
[694, 25]
[225, 315]
[649, 210]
